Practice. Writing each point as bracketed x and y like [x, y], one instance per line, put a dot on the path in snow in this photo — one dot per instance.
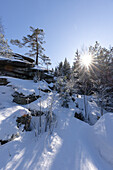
[74, 145]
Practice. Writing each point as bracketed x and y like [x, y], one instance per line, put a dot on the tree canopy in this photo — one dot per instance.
[34, 42]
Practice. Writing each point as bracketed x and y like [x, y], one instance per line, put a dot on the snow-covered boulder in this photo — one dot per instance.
[22, 99]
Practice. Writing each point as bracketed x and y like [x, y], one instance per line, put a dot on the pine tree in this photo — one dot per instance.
[46, 60]
[33, 42]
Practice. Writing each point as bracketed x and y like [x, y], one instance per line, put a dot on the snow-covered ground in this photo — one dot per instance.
[73, 145]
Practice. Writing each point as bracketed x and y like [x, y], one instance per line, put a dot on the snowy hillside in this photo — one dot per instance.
[72, 145]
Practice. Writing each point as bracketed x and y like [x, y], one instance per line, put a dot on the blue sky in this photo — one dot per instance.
[68, 24]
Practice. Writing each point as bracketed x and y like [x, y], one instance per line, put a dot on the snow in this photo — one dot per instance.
[39, 68]
[11, 59]
[26, 87]
[8, 124]
[73, 145]
[51, 84]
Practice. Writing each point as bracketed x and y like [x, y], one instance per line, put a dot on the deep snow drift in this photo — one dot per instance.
[73, 145]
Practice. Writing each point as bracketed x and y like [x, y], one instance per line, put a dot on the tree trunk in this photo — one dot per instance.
[37, 59]
[101, 106]
[37, 49]
[85, 107]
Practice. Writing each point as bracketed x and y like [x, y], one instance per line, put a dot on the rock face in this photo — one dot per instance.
[45, 90]
[15, 68]
[22, 58]
[20, 98]
[23, 70]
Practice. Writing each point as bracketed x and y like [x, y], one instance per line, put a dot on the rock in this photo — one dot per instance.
[45, 90]
[52, 88]
[79, 116]
[36, 112]
[65, 104]
[23, 58]
[76, 105]
[20, 98]
[3, 81]
[3, 142]
[25, 120]
[13, 136]
[73, 99]
[42, 74]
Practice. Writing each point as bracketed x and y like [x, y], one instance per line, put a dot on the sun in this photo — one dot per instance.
[86, 60]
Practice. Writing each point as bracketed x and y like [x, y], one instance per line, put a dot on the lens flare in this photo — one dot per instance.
[86, 60]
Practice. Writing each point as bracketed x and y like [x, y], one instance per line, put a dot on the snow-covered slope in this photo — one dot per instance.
[73, 145]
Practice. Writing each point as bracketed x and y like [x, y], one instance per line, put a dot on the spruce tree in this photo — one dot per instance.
[66, 69]
[76, 70]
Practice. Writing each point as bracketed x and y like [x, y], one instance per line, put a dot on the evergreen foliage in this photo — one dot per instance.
[63, 86]
[63, 69]
[34, 42]
[46, 60]
[97, 79]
